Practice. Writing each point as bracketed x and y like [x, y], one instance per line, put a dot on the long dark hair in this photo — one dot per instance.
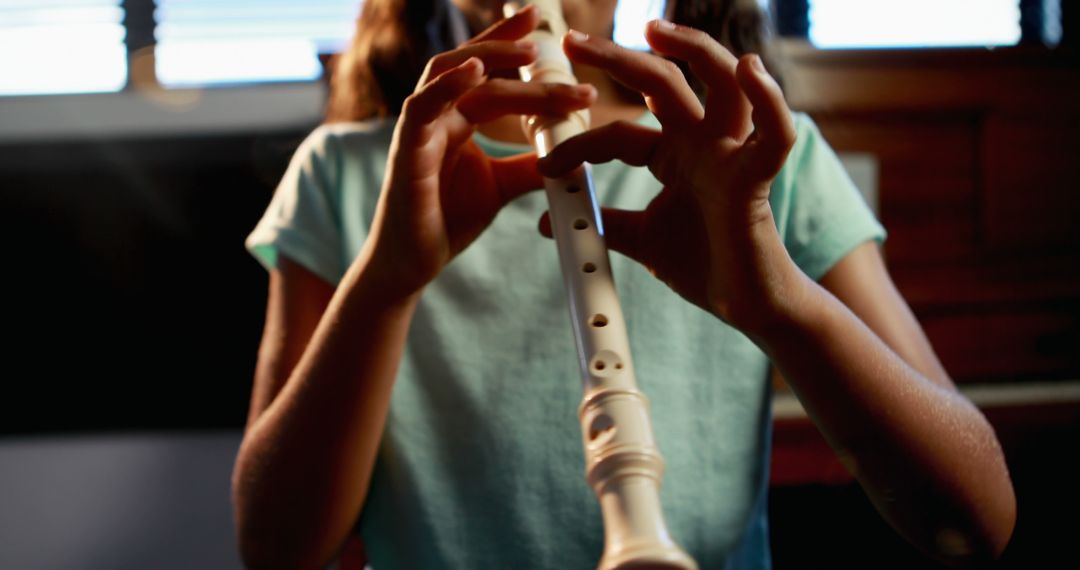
[392, 44]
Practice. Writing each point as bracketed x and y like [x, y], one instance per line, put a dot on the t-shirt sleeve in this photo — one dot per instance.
[819, 211]
[302, 221]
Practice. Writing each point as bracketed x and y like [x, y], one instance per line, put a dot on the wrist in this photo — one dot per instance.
[786, 311]
[771, 291]
[378, 281]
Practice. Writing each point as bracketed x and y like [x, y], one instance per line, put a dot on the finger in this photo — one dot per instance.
[497, 97]
[516, 175]
[659, 80]
[774, 129]
[623, 231]
[631, 143]
[427, 103]
[500, 54]
[727, 111]
[515, 27]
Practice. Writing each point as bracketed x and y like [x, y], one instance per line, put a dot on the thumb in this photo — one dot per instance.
[516, 175]
[545, 226]
[774, 129]
[623, 230]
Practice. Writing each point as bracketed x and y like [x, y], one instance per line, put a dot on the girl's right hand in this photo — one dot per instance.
[441, 190]
[710, 233]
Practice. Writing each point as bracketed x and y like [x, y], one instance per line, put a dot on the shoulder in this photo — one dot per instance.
[336, 155]
[359, 132]
[812, 162]
[332, 141]
[808, 140]
[819, 212]
[804, 125]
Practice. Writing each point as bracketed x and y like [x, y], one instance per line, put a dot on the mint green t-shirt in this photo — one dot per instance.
[481, 463]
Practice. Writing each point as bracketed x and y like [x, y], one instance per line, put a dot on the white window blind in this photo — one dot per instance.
[61, 46]
[914, 23]
[216, 42]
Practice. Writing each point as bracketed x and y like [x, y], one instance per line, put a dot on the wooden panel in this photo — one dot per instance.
[801, 456]
[928, 79]
[989, 281]
[1031, 172]
[978, 190]
[927, 194]
[1008, 345]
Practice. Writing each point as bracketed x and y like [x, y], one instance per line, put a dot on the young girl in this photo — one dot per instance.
[417, 377]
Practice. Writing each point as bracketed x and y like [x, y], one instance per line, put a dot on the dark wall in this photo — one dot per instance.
[976, 154]
[128, 299]
[977, 162]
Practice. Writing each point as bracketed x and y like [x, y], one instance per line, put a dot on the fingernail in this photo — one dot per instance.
[525, 45]
[584, 90]
[664, 25]
[472, 64]
[755, 62]
[577, 37]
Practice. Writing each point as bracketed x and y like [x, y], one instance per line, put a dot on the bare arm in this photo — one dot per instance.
[861, 365]
[306, 459]
[296, 301]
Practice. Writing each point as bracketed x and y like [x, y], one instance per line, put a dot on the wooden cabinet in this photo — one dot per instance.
[979, 189]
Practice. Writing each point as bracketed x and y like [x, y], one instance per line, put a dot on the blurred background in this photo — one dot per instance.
[140, 141]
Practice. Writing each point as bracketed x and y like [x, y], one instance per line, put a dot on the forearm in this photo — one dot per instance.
[925, 455]
[304, 466]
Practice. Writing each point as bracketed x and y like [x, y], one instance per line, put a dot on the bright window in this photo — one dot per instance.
[914, 23]
[630, 20]
[61, 46]
[208, 42]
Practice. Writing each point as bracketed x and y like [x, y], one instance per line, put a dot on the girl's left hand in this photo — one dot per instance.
[710, 233]
[441, 190]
